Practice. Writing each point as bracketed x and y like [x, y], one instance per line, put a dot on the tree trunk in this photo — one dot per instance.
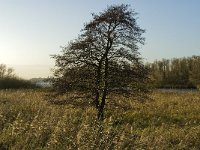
[97, 85]
[100, 114]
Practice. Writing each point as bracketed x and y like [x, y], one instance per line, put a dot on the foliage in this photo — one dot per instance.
[170, 121]
[176, 73]
[15, 83]
[8, 80]
[195, 71]
[104, 58]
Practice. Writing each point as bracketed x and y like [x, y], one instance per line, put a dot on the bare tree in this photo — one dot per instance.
[5, 71]
[2, 70]
[104, 58]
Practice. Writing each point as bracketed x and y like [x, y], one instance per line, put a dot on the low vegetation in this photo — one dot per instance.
[168, 121]
[16, 83]
[8, 80]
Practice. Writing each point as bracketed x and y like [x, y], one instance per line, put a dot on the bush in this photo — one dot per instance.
[15, 83]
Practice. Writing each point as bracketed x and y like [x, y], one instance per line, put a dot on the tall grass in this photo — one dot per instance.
[169, 121]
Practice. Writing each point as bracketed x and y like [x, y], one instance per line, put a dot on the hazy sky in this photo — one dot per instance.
[32, 30]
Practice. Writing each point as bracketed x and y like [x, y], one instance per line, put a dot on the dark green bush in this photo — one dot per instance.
[15, 83]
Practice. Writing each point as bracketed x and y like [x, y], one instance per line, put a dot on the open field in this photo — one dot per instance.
[169, 121]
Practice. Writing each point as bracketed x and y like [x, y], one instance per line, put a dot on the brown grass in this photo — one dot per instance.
[169, 121]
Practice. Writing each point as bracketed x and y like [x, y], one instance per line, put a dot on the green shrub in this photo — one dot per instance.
[15, 83]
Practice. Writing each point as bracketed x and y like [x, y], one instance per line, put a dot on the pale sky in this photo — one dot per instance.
[32, 30]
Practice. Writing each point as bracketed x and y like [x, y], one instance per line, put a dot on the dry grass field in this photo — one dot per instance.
[168, 121]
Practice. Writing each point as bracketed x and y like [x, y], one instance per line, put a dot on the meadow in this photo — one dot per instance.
[28, 121]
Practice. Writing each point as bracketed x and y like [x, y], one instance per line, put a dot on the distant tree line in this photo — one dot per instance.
[176, 73]
[8, 80]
